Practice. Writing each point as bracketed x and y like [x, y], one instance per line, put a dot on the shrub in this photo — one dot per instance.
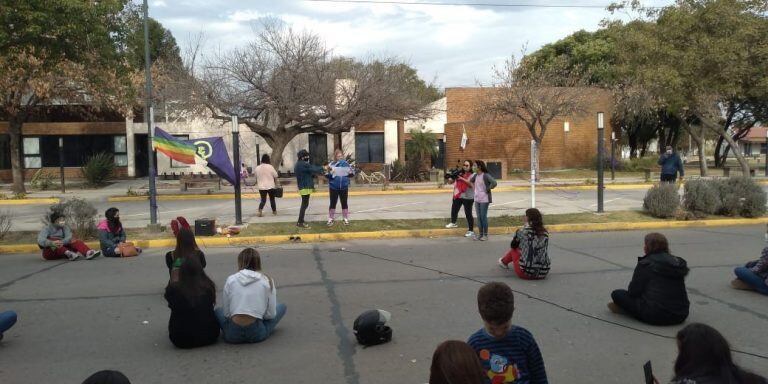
[701, 197]
[5, 223]
[98, 168]
[741, 196]
[662, 200]
[80, 214]
[41, 180]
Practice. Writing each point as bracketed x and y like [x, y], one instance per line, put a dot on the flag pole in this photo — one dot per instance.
[148, 117]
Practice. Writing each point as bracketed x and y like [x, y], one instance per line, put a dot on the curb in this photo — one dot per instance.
[30, 201]
[414, 233]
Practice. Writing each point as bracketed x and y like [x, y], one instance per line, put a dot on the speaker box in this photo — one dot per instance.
[205, 227]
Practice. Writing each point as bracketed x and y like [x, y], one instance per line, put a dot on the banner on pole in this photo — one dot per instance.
[463, 143]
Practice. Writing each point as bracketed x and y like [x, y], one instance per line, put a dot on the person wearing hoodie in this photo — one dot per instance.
[56, 241]
[656, 294]
[306, 184]
[191, 299]
[249, 310]
[112, 233]
[338, 187]
[671, 165]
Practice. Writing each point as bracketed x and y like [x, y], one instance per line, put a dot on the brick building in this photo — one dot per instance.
[568, 143]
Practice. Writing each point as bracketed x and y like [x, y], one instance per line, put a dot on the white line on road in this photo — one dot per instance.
[508, 202]
[607, 201]
[388, 207]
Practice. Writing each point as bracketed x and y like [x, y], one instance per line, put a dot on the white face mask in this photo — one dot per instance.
[669, 151]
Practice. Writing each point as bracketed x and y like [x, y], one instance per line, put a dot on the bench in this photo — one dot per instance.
[727, 170]
[199, 178]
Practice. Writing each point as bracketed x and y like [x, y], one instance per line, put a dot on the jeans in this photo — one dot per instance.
[467, 204]
[7, 320]
[254, 333]
[263, 194]
[482, 218]
[746, 275]
[303, 209]
[110, 252]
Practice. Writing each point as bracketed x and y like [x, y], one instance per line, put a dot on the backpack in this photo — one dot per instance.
[534, 258]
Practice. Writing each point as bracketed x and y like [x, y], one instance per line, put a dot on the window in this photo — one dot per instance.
[174, 163]
[31, 149]
[121, 151]
[369, 147]
[5, 152]
[77, 149]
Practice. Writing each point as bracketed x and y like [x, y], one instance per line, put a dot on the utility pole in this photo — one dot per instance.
[600, 161]
[236, 155]
[148, 117]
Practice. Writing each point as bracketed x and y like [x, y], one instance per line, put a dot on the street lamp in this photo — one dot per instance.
[600, 149]
[236, 155]
[766, 152]
[148, 118]
[613, 156]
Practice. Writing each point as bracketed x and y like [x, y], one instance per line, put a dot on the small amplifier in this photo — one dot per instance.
[205, 227]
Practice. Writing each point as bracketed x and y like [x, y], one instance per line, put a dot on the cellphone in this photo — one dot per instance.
[648, 372]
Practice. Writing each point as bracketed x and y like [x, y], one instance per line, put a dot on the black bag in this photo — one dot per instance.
[279, 192]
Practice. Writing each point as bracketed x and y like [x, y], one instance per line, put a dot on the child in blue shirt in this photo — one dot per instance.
[508, 353]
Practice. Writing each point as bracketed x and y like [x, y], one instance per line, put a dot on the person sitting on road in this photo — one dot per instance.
[186, 247]
[249, 310]
[508, 353]
[107, 377]
[753, 275]
[704, 357]
[7, 320]
[528, 251]
[56, 241]
[455, 362]
[656, 294]
[192, 299]
[112, 234]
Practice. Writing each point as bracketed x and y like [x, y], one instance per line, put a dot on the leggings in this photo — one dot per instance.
[456, 206]
[339, 195]
[304, 206]
[263, 194]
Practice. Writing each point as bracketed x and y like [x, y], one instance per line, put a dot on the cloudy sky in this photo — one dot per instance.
[455, 45]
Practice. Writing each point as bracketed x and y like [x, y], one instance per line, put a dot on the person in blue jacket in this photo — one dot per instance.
[671, 165]
[338, 186]
[306, 184]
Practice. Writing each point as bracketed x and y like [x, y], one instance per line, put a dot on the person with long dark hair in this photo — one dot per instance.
[192, 299]
[266, 180]
[455, 362]
[186, 247]
[483, 183]
[111, 233]
[306, 183]
[704, 357]
[463, 196]
[528, 251]
[107, 377]
[249, 310]
[338, 187]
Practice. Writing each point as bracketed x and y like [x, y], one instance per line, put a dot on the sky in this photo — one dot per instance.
[450, 46]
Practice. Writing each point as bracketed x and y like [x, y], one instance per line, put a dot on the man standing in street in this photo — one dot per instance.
[670, 165]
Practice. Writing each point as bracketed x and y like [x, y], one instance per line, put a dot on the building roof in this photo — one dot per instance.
[756, 134]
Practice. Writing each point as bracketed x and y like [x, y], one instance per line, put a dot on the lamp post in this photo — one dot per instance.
[236, 156]
[613, 156]
[61, 163]
[534, 148]
[148, 116]
[600, 160]
[766, 152]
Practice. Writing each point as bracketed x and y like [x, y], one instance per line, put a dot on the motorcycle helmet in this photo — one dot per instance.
[371, 327]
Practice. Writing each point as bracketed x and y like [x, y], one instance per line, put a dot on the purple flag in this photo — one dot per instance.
[213, 150]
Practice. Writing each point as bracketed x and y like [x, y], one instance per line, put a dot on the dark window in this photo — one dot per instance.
[5, 152]
[369, 147]
[77, 149]
[318, 149]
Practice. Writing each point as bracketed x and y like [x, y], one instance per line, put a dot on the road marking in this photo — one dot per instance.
[388, 207]
[607, 201]
[509, 202]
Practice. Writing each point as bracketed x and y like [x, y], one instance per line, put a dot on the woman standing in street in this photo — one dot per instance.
[463, 195]
[266, 179]
[483, 183]
[306, 183]
[338, 187]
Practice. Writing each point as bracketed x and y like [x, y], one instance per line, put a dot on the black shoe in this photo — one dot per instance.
[302, 225]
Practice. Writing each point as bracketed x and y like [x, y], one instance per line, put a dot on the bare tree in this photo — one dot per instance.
[286, 83]
[535, 96]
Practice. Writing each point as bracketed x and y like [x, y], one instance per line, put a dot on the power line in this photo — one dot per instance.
[432, 3]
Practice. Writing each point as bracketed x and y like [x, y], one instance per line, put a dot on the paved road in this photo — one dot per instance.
[136, 214]
[79, 317]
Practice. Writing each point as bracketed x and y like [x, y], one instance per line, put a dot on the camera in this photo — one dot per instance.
[452, 174]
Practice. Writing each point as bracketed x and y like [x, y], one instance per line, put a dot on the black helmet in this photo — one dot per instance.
[371, 327]
[302, 154]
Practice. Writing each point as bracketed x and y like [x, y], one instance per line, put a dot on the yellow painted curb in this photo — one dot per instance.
[30, 201]
[416, 233]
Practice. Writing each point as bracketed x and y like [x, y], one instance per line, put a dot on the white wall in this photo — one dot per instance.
[390, 141]
[435, 123]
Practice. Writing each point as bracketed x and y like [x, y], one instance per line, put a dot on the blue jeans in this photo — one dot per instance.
[254, 333]
[482, 218]
[746, 275]
[7, 320]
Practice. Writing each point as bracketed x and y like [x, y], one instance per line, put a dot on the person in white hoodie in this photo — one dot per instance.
[249, 311]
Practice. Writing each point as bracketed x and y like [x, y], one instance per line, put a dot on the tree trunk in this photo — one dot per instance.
[17, 169]
[719, 158]
[278, 146]
[698, 137]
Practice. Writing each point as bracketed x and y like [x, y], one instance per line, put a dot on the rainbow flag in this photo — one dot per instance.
[174, 148]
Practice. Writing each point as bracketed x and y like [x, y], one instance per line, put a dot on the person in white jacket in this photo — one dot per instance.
[249, 311]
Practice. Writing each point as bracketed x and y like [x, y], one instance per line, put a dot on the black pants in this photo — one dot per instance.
[640, 310]
[263, 193]
[339, 195]
[303, 209]
[668, 178]
[456, 206]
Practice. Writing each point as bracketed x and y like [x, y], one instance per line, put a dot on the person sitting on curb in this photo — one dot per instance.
[455, 362]
[186, 247]
[191, 299]
[656, 294]
[7, 320]
[528, 251]
[56, 241]
[112, 234]
[249, 310]
[508, 353]
[753, 275]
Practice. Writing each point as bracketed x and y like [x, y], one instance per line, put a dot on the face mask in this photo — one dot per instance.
[61, 223]
[669, 152]
[474, 169]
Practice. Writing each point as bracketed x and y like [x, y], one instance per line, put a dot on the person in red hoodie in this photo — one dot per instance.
[463, 195]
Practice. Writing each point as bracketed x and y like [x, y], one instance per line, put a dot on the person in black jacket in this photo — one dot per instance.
[657, 292]
[186, 247]
[191, 299]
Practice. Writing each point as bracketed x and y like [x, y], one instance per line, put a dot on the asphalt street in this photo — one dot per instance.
[407, 206]
[79, 317]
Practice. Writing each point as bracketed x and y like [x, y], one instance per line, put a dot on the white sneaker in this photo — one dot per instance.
[346, 221]
[92, 254]
[330, 222]
[451, 225]
[469, 234]
[502, 265]
[72, 256]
